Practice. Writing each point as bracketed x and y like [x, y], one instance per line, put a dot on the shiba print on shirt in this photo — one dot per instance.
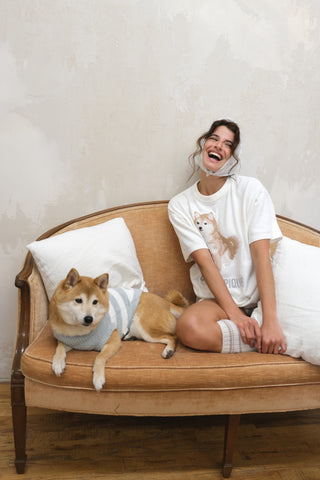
[218, 245]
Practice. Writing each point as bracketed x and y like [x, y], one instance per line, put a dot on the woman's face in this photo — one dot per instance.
[218, 148]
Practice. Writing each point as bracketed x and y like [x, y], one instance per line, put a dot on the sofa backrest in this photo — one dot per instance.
[157, 249]
[298, 231]
[156, 244]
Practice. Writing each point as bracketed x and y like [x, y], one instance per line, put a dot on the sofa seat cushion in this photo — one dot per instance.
[138, 366]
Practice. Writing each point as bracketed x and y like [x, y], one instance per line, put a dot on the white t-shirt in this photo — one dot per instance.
[240, 213]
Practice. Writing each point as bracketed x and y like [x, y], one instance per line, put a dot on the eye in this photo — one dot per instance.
[78, 300]
[95, 302]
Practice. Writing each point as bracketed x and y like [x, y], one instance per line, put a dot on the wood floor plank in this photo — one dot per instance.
[72, 446]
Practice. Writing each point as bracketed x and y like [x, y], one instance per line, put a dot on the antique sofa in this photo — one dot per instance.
[139, 381]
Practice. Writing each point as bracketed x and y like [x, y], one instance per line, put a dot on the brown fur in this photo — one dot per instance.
[154, 319]
[217, 243]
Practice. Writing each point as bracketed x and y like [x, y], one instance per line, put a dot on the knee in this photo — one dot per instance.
[194, 333]
[187, 329]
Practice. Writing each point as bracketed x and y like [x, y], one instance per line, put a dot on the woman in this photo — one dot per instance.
[225, 223]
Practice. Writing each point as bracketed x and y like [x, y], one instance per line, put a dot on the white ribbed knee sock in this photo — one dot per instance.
[231, 338]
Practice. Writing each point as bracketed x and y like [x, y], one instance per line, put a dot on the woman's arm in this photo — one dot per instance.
[248, 327]
[272, 340]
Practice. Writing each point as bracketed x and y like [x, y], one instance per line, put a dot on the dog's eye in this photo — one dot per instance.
[95, 302]
[78, 300]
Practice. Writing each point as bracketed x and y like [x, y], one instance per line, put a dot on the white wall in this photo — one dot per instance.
[101, 102]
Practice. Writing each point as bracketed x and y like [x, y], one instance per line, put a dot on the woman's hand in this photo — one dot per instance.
[249, 329]
[272, 338]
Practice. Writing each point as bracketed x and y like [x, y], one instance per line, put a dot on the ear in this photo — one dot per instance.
[196, 215]
[72, 279]
[102, 281]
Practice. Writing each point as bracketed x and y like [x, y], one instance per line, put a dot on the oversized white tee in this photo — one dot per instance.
[226, 223]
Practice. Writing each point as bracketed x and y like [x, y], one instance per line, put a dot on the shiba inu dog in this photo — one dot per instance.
[86, 315]
[217, 243]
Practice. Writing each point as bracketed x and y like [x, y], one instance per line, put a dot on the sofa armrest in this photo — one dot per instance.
[32, 309]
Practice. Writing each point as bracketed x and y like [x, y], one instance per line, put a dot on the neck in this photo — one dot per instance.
[209, 184]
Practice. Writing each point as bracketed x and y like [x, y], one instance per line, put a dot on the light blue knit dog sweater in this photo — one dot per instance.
[122, 306]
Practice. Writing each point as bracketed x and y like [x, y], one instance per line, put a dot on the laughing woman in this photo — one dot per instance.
[225, 223]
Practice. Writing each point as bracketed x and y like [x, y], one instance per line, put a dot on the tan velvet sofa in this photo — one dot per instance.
[139, 381]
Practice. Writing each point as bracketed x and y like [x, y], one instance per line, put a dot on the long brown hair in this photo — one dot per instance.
[218, 123]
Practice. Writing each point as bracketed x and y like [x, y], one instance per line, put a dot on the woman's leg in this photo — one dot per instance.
[205, 326]
[197, 327]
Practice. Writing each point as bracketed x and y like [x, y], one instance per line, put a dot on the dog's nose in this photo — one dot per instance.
[88, 319]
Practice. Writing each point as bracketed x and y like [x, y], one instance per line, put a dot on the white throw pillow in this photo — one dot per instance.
[104, 248]
[296, 268]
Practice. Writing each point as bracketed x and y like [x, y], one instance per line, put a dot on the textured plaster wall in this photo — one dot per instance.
[101, 102]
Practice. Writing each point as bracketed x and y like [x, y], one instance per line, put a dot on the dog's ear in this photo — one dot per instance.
[72, 279]
[196, 215]
[102, 281]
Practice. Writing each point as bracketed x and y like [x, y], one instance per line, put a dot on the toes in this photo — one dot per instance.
[167, 352]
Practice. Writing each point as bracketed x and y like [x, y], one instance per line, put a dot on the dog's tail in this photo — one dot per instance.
[176, 297]
[178, 303]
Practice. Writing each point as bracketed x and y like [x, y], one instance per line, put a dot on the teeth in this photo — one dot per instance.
[214, 155]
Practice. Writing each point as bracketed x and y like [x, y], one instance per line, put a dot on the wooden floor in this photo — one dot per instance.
[71, 446]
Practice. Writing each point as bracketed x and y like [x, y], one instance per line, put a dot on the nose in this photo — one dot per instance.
[88, 319]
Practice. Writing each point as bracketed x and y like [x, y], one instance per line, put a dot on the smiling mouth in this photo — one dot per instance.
[215, 156]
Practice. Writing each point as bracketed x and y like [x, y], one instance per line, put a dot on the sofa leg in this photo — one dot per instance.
[231, 429]
[19, 420]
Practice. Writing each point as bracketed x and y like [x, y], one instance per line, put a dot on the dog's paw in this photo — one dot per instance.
[58, 366]
[167, 352]
[98, 381]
